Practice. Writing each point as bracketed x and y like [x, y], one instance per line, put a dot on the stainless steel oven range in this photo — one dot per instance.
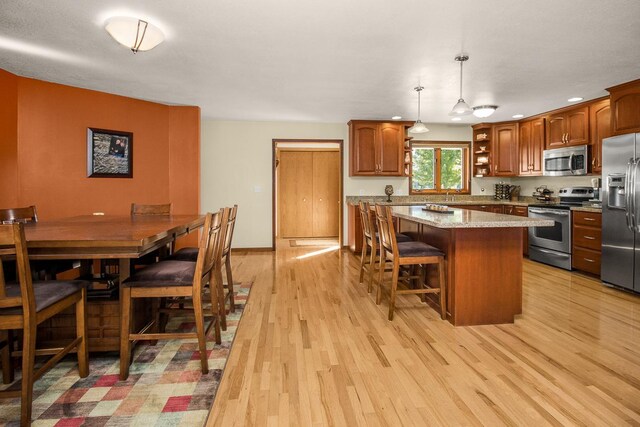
[552, 245]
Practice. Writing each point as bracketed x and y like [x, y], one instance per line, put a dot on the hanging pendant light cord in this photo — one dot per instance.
[419, 89]
[461, 62]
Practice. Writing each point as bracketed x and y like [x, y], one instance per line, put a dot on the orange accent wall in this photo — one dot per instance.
[8, 139]
[51, 159]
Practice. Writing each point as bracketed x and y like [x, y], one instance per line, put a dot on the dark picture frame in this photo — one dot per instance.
[109, 153]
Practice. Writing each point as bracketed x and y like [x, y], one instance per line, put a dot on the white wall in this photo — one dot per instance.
[236, 168]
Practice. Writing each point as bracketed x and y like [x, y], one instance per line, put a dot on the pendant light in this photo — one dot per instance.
[461, 108]
[418, 127]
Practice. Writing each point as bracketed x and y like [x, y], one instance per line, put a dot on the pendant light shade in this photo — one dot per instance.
[418, 127]
[482, 111]
[461, 108]
[134, 33]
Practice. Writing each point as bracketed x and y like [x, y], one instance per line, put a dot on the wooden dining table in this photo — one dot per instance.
[91, 237]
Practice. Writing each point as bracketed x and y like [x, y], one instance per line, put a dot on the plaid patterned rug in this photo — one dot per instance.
[165, 385]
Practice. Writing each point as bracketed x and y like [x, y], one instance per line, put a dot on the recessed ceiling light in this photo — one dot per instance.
[396, 117]
[456, 119]
[518, 116]
[575, 99]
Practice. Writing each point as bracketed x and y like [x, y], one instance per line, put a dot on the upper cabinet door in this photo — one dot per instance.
[556, 131]
[390, 153]
[363, 147]
[600, 122]
[524, 141]
[506, 150]
[578, 126]
[536, 146]
[625, 108]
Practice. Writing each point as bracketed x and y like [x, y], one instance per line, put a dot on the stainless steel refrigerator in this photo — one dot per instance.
[621, 211]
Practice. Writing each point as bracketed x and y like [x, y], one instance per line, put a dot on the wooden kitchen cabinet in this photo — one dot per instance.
[568, 127]
[531, 145]
[483, 208]
[520, 211]
[377, 148]
[482, 151]
[587, 241]
[600, 124]
[625, 108]
[505, 149]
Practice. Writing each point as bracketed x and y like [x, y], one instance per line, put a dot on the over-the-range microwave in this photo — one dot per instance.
[565, 161]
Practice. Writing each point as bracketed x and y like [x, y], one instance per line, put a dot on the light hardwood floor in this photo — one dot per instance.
[312, 348]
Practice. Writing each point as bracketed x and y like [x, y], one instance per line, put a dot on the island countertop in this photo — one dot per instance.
[464, 218]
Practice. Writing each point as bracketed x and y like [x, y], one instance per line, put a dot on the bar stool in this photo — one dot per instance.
[370, 253]
[406, 254]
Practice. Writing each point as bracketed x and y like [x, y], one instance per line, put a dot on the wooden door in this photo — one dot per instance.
[363, 149]
[536, 146]
[556, 131]
[390, 149]
[524, 142]
[625, 108]
[578, 126]
[326, 193]
[295, 194]
[600, 122]
[505, 150]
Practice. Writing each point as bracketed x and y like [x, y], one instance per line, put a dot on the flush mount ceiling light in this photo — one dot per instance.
[134, 33]
[483, 111]
[575, 99]
[418, 127]
[461, 108]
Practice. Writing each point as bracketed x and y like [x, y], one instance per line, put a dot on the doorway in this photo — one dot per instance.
[307, 190]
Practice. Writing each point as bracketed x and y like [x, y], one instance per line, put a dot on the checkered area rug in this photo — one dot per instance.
[165, 385]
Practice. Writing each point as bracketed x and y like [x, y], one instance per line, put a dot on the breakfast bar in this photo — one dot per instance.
[484, 260]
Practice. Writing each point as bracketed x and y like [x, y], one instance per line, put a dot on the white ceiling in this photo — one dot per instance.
[333, 60]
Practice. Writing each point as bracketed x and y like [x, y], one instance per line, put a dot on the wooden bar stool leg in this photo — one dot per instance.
[443, 287]
[28, 359]
[215, 310]
[232, 301]
[7, 365]
[81, 331]
[363, 257]
[381, 267]
[222, 309]
[372, 263]
[394, 287]
[202, 345]
[125, 329]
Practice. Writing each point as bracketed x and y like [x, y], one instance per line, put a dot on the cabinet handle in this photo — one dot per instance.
[588, 260]
[589, 237]
[320, 199]
[593, 161]
[586, 218]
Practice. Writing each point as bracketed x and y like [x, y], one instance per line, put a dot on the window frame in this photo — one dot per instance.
[438, 145]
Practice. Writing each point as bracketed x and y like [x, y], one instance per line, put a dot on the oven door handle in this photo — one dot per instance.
[540, 211]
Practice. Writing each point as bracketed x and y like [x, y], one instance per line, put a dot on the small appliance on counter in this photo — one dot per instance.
[543, 194]
[552, 245]
[596, 184]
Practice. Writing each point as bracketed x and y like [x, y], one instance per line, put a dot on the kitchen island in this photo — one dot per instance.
[484, 260]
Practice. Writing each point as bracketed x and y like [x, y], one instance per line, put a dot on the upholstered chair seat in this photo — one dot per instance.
[46, 293]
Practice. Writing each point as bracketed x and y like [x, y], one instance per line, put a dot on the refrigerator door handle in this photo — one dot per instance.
[635, 215]
[627, 195]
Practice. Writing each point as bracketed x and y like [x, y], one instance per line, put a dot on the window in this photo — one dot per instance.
[438, 167]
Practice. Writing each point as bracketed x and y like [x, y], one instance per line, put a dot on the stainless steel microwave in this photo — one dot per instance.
[565, 161]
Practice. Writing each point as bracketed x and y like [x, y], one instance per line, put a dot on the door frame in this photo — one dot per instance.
[274, 146]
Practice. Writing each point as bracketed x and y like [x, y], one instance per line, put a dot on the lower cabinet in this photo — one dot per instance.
[587, 241]
[483, 208]
[520, 211]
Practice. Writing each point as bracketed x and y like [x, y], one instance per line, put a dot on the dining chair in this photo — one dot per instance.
[177, 279]
[44, 269]
[142, 209]
[25, 305]
[190, 254]
[417, 254]
[370, 253]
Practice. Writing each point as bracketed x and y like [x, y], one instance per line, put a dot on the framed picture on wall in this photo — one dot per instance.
[109, 153]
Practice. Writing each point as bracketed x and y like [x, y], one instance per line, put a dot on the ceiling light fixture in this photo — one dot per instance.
[134, 33]
[396, 117]
[461, 108]
[575, 99]
[483, 111]
[518, 116]
[418, 127]
[456, 119]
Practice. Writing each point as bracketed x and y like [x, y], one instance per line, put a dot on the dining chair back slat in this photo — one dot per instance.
[141, 209]
[11, 215]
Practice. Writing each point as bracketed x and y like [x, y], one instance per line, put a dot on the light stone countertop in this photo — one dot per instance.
[463, 218]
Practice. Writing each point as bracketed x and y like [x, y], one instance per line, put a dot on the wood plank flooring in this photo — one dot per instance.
[313, 349]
